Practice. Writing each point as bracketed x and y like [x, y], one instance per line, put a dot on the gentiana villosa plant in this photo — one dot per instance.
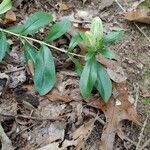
[92, 74]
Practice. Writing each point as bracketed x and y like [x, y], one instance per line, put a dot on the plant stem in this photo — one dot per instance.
[40, 42]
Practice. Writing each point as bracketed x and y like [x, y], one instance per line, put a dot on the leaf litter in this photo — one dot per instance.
[62, 102]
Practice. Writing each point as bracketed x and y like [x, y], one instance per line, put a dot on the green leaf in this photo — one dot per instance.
[90, 40]
[35, 22]
[103, 83]
[108, 53]
[16, 29]
[4, 47]
[58, 30]
[89, 55]
[112, 37]
[76, 39]
[97, 28]
[78, 66]
[30, 53]
[88, 77]
[44, 74]
[5, 6]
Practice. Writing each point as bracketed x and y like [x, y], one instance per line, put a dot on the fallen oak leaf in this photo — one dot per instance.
[79, 138]
[142, 16]
[115, 113]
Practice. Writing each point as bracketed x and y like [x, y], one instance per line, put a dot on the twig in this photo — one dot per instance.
[129, 140]
[40, 42]
[86, 111]
[141, 134]
[142, 32]
[30, 117]
[6, 143]
[136, 89]
[25, 129]
[16, 70]
[145, 144]
[120, 5]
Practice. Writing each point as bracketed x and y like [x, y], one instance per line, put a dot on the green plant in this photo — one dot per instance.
[5, 6]
[92, 74]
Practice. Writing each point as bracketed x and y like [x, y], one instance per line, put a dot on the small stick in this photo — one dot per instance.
[30, 117]
[120, 5]
[136, 88]
[12, 71]
[142, 32]
[141, 134]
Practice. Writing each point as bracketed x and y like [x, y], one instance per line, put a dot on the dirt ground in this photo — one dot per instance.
[133, 51]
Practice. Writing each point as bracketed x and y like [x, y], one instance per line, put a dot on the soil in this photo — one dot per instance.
[133, 52]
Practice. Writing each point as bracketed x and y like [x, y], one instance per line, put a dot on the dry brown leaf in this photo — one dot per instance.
[117, 75]
[79, 137]
[114, 69]
[60, 92]
[63, 6]
[10, 17]
[142, 16]
[116, 110]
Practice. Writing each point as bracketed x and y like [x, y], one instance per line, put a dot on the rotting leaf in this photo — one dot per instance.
[115, 113]
[79, 137]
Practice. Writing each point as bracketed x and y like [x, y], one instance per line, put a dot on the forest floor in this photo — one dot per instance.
[62, 119]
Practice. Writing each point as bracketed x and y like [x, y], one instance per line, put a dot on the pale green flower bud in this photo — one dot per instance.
[97, 28]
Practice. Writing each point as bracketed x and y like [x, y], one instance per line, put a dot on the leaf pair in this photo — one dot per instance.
[44, 67]
[39, 20]
[33, 24]
[94, 74]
